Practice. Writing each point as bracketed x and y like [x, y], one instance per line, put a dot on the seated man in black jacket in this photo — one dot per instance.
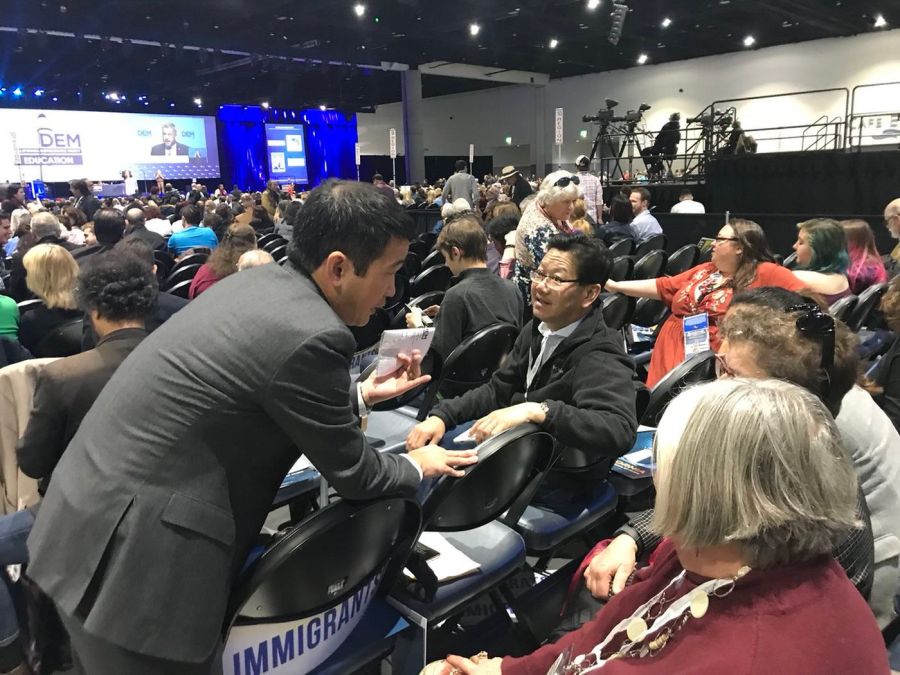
[568, 372]
[478, 298]
[118, 292]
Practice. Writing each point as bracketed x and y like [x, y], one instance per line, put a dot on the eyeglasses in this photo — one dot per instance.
[553, 281]
[722, 367]
[719, 240]
[817, 324]
[565, 180]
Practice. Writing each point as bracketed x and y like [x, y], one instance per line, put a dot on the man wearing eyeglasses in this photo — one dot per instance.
[567, 372]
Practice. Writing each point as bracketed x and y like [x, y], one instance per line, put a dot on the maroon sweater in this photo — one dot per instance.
[803, 619]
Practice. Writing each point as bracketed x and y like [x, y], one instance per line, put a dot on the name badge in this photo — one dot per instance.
[696, 334]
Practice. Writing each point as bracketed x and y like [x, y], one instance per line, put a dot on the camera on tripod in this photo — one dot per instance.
[607, 116]
[715, 118]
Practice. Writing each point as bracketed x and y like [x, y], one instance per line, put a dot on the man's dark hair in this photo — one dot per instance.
[621, 210]
[11, 190]
[109, 226]
[81, 185]
[593, 260]
[686, 193]
[138, 248]
[376, 177]
[502, 225]
[118, 286]
[4, 215]
[643, 192]
[465, 232]
[214, 222]
[354, 218]
[291, 211]
[460, 164]
[192, 214]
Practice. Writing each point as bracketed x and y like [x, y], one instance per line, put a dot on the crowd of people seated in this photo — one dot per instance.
[776, 522]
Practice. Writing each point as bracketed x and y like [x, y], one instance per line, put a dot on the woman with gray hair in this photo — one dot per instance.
[547, 215]
[753, 489]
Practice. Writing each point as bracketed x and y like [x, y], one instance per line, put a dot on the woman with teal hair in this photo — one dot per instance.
[822, 258]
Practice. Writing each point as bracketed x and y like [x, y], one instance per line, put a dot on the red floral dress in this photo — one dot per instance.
[702, 289]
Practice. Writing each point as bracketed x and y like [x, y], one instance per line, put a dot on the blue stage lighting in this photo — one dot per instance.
[17, 91]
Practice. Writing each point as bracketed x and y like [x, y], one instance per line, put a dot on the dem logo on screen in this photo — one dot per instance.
[54, 147]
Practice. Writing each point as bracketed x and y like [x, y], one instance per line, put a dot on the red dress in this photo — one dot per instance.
[702, 289]
[203, 279]
[803, 619]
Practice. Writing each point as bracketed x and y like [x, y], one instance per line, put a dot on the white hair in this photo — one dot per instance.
[254, 258]
[757, 463]
[454, 207]
[550, 192]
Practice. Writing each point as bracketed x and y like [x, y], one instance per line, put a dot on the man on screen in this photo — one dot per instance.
[170, 147]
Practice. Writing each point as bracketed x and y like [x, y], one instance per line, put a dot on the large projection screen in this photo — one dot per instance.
[60, 145]
[286, 149]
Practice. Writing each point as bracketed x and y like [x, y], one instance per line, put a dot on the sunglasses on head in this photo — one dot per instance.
[816, 324]
[565, 180]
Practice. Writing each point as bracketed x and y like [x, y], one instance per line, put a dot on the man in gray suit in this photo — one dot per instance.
[160, 495]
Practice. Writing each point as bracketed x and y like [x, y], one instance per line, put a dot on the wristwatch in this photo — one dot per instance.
[545, 408]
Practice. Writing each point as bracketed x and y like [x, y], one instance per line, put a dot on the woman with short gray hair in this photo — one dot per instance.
[753, 489]
[547, 215]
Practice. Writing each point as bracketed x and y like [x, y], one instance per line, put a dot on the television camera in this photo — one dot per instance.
[608, 116]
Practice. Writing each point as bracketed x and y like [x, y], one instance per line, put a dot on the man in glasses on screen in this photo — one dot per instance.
[567, 372]
[170, 147]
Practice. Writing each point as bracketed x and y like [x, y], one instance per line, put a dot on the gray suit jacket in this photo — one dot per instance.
[161, 493]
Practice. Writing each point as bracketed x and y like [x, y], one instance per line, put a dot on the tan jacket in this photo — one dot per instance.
[17, 384]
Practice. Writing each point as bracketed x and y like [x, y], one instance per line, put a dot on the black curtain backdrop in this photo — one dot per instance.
[436, 166]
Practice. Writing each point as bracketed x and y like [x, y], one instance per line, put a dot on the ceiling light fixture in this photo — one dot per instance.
[749, 41]
[265, 104]
[323, 107]
[593, 4]
[642, 59]
[553, 43]
[359, 10]
[880, 21]
[666, 22]
[198, 102]
[474, 29]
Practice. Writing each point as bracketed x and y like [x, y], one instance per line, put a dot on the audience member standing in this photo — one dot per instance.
[591, 189]
[547, 215]
[519, 188]
[461, 185]
[381, 186]
[271, 197]
[644, 224]
[174, 488]
[84, 197]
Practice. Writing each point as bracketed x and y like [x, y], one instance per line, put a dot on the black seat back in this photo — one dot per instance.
[413, 265]
[869, 300]
[649, 312]
[622, 247]
[325, 559]
[192, 259]
[682, 260]
[622, 268]
[471, 363]
[698, 368]
[266, 238]
[423, 301]
[432, 279]
[401, 286]
[273, 243]
[279, 252]
[165, 263]
[791, 261]
[181, 289]
[655, 243]
[433, 259]
[420, 248]
[28, 305]
[64, 340]
[179, 274]
[506, 464]
[617, 310]
[650, 266]
[428, 238]
[843, 308]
